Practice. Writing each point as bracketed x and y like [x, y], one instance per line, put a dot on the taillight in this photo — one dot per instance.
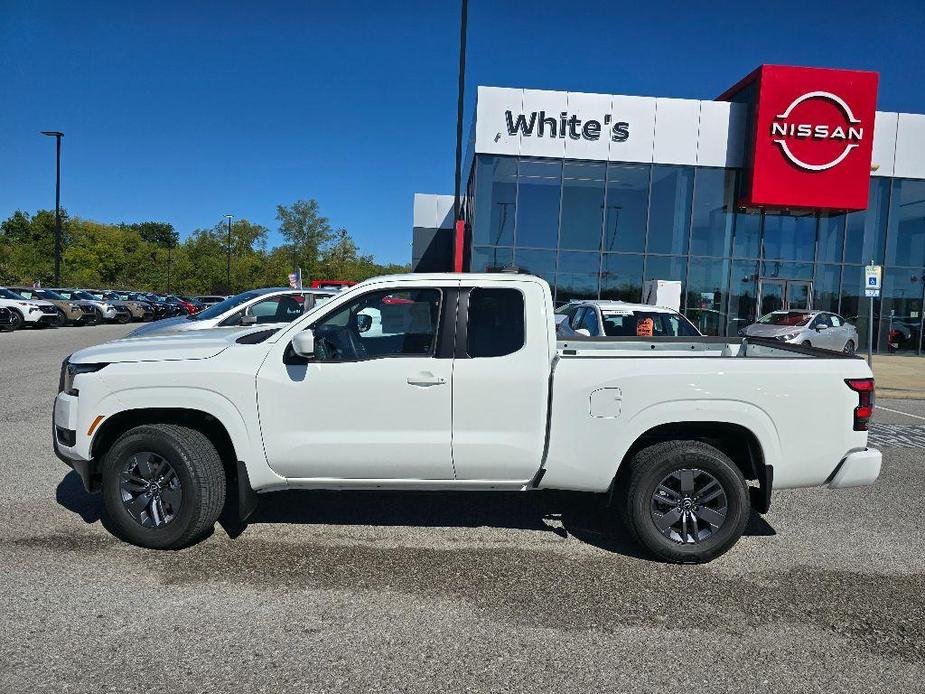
[864, 387]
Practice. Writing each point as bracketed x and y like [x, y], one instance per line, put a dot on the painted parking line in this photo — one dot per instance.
[914, 416]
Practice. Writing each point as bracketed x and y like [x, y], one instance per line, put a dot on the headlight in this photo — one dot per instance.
[69, 371]
[33, 309]
[73, 307]
[788, 337]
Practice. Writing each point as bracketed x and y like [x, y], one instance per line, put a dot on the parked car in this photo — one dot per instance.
[69, 312]
[807, 328]
[621, 319]
[6, 320]
[466, 388]
[258, 306]
[194, 302]
[162, 309]
[110, 311]
[210, 299]
[35, 312]
[140, 310]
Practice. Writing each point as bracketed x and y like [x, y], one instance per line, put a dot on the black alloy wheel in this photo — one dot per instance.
[17, 319]
[152, 493]
[689, 505]
[849, 347]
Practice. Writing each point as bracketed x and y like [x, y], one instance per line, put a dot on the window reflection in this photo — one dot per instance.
[831, 238]
[901, 322]
[713, 218]
[496, 194]
[743, 295]
[747, 235]
[539, 189]
[578, 275]
[866, 230]
[626, 208]
[666, 267]
[906, 238]
[621, 277]
[707, 289]
[670, 209]
[826, 287]
[789, 237]
[491, 259]
[539, 263]
[582, 206]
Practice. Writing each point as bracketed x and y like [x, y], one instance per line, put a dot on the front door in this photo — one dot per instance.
[784, 295]
[375, 400]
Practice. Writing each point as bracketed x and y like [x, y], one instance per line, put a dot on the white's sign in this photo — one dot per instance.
[872, 277]
[541, 124]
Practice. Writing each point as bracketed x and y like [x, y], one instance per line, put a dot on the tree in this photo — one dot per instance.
[306, 232]
[161, 234]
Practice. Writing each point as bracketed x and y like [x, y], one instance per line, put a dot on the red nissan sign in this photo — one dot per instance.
[813, 132]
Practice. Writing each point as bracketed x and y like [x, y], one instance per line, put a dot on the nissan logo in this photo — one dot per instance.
[788, 128]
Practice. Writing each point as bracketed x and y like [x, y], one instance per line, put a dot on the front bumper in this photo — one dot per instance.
[67, 447]
[858, 469]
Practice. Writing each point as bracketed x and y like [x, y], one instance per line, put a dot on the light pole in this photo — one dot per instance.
[57, 135]
[229, 217]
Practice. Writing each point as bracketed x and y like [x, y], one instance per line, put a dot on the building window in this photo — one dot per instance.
[865, 231]
[496, 195]
[539, 263]
[901, 320]
[491, 259]
[713, 217]
[906, 238]
[789, 237]
[831, 238]
[582, 206]
[578, 275]
[666, 267]
[621, 277]
[743, 295]
[626, 208]
[827, 287]
[747, 237]
[670, 209]
[539, 190]
[707, 290]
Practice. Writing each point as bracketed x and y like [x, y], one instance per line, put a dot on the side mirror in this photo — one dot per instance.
[248, 319]
[363, 322]
[821, 327]
[303, 344]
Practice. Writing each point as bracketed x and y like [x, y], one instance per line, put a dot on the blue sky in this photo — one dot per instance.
[183, 111]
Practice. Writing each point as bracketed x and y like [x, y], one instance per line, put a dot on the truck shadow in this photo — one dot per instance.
[562, 514]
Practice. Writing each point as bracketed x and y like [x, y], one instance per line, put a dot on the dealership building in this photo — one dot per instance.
[774, 195]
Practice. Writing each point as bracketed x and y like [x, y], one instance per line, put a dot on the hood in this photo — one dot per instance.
[178, 347]
[762, 330]
[161, 326]
[29, 302]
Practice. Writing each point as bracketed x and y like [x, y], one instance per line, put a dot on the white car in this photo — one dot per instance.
[275, 306]
[462, 387]
[621, 319]
[34, 312]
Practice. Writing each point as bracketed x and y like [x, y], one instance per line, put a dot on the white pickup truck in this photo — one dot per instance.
[457, 382]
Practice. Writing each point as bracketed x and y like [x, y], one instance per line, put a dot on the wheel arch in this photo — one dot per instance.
[735, 440]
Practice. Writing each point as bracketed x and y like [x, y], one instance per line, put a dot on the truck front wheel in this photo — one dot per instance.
[163, 486]
[684, 501]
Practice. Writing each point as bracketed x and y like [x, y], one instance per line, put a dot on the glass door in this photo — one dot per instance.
[799, 295]
[772, 296]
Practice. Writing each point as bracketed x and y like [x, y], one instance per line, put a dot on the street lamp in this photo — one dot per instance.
[57, 135]
[229, 217]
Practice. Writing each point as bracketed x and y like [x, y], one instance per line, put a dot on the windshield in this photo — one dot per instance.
[626, 323]
[786, 318]
[86, 296]
[48, 294]
[7, 294]
[223, 306]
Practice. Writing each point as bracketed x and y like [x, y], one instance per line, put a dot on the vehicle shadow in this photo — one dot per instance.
[580, 515]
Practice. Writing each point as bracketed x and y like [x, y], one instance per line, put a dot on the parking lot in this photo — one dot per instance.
[448, 592]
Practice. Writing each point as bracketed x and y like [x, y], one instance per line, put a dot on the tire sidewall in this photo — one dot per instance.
[18, 320]
[172, 450]
[737, 499]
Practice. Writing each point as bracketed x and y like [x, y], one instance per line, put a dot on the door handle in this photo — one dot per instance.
[425, 379]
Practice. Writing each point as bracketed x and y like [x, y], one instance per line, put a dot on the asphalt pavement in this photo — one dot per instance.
[373, 592]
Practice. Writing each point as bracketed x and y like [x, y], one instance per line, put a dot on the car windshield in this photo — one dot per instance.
[48, 294]
[7, 294]
[629, 323]
[786, 318]
[223, 306]
[86, 296]
[96, 296]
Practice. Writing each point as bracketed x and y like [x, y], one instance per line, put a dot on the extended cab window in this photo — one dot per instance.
[496, 322]
[380, 324]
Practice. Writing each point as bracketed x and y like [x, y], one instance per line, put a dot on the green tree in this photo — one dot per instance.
[307, 233]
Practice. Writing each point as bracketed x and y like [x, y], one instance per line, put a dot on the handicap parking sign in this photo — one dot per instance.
[872, 275]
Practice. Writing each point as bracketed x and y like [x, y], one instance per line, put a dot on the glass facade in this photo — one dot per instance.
[600, 229]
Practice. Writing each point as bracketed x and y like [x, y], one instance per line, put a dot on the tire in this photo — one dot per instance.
[18, 320]
[806, 343]
[193, 491]
[849, 347]
[122, 319]
[62, 319]
[651, 471]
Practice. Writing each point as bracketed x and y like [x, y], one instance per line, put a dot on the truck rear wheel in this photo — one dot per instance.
[163, 486]
[684, 501]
